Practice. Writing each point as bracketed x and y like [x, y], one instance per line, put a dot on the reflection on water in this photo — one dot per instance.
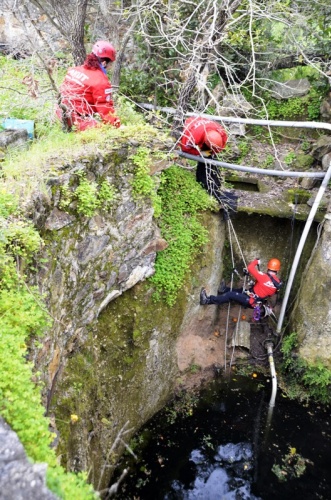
[223, 479]
[230, 447]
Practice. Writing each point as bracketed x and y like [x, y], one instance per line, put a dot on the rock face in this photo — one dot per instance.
[91, 259]
[19, 479]
[291, 88]
[13, 138]
[111, 362]
[311, 318]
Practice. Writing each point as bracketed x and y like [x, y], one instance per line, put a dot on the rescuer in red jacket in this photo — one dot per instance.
[205, 138]
[86, 91]
[202, 137]
[266, 285]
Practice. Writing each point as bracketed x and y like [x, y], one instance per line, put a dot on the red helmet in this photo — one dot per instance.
[215, 140]
[274, 265]
[104, 50]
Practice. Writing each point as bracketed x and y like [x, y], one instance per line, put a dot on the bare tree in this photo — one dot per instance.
[68, 17]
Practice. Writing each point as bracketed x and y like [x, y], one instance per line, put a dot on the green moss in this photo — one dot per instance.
[298, 195]
[303, 161]
[117, 375]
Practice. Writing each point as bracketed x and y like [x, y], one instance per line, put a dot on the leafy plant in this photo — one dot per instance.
[289, 158]
[293, 465]
[89, 196]
[182, 201]
[22, 316]
[86, 195]
[8, 203]
[143, 185]
[106, 195]
[307, 380]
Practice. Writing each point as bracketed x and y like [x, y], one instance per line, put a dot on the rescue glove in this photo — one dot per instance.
[245, 272]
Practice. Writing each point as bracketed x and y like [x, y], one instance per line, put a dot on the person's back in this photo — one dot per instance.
[86, 91]
[82, 90]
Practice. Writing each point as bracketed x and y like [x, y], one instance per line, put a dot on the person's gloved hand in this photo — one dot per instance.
[258, 262]
[245, 272]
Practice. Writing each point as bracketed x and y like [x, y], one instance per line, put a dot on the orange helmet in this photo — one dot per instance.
[274, 265]
[104, 50]
[215, 140]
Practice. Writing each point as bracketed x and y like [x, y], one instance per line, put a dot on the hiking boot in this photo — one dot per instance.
[221, 288]
[204, 299]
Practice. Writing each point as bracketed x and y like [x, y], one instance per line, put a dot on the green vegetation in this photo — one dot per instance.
[181, 406]
[304, 380]
[182, 198]
[23, 319]
[297, 108]
[89, 196]
[289, 158]
[26, 92]
[144, 186]
[298, 195]
[293, 465]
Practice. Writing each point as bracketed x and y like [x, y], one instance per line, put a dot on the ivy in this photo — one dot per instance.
[182, 200]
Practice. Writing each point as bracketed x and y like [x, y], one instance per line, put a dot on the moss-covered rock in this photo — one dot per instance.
[311, 317]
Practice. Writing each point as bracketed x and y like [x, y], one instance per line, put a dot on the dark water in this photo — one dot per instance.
[226, 446]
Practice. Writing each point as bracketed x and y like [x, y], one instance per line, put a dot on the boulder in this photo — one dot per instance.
[322, 147]
[13, 138]
[19, 478]
[290, 88]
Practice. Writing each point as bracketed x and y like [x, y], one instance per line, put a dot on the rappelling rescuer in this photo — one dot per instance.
[86, 92]
[204, 138]
[266, 285]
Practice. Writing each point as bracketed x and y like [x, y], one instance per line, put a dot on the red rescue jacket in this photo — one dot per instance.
[264, 287]
[88, 91]
[193, 138]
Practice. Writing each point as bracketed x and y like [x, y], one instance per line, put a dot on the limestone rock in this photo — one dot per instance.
[290, 88]
[13, 138]
[19, 478]
[322, 147]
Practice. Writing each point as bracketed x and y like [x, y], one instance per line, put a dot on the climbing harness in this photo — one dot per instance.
[257, 313]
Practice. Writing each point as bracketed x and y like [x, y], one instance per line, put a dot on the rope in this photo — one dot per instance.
[237, 241]
[231, 230]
